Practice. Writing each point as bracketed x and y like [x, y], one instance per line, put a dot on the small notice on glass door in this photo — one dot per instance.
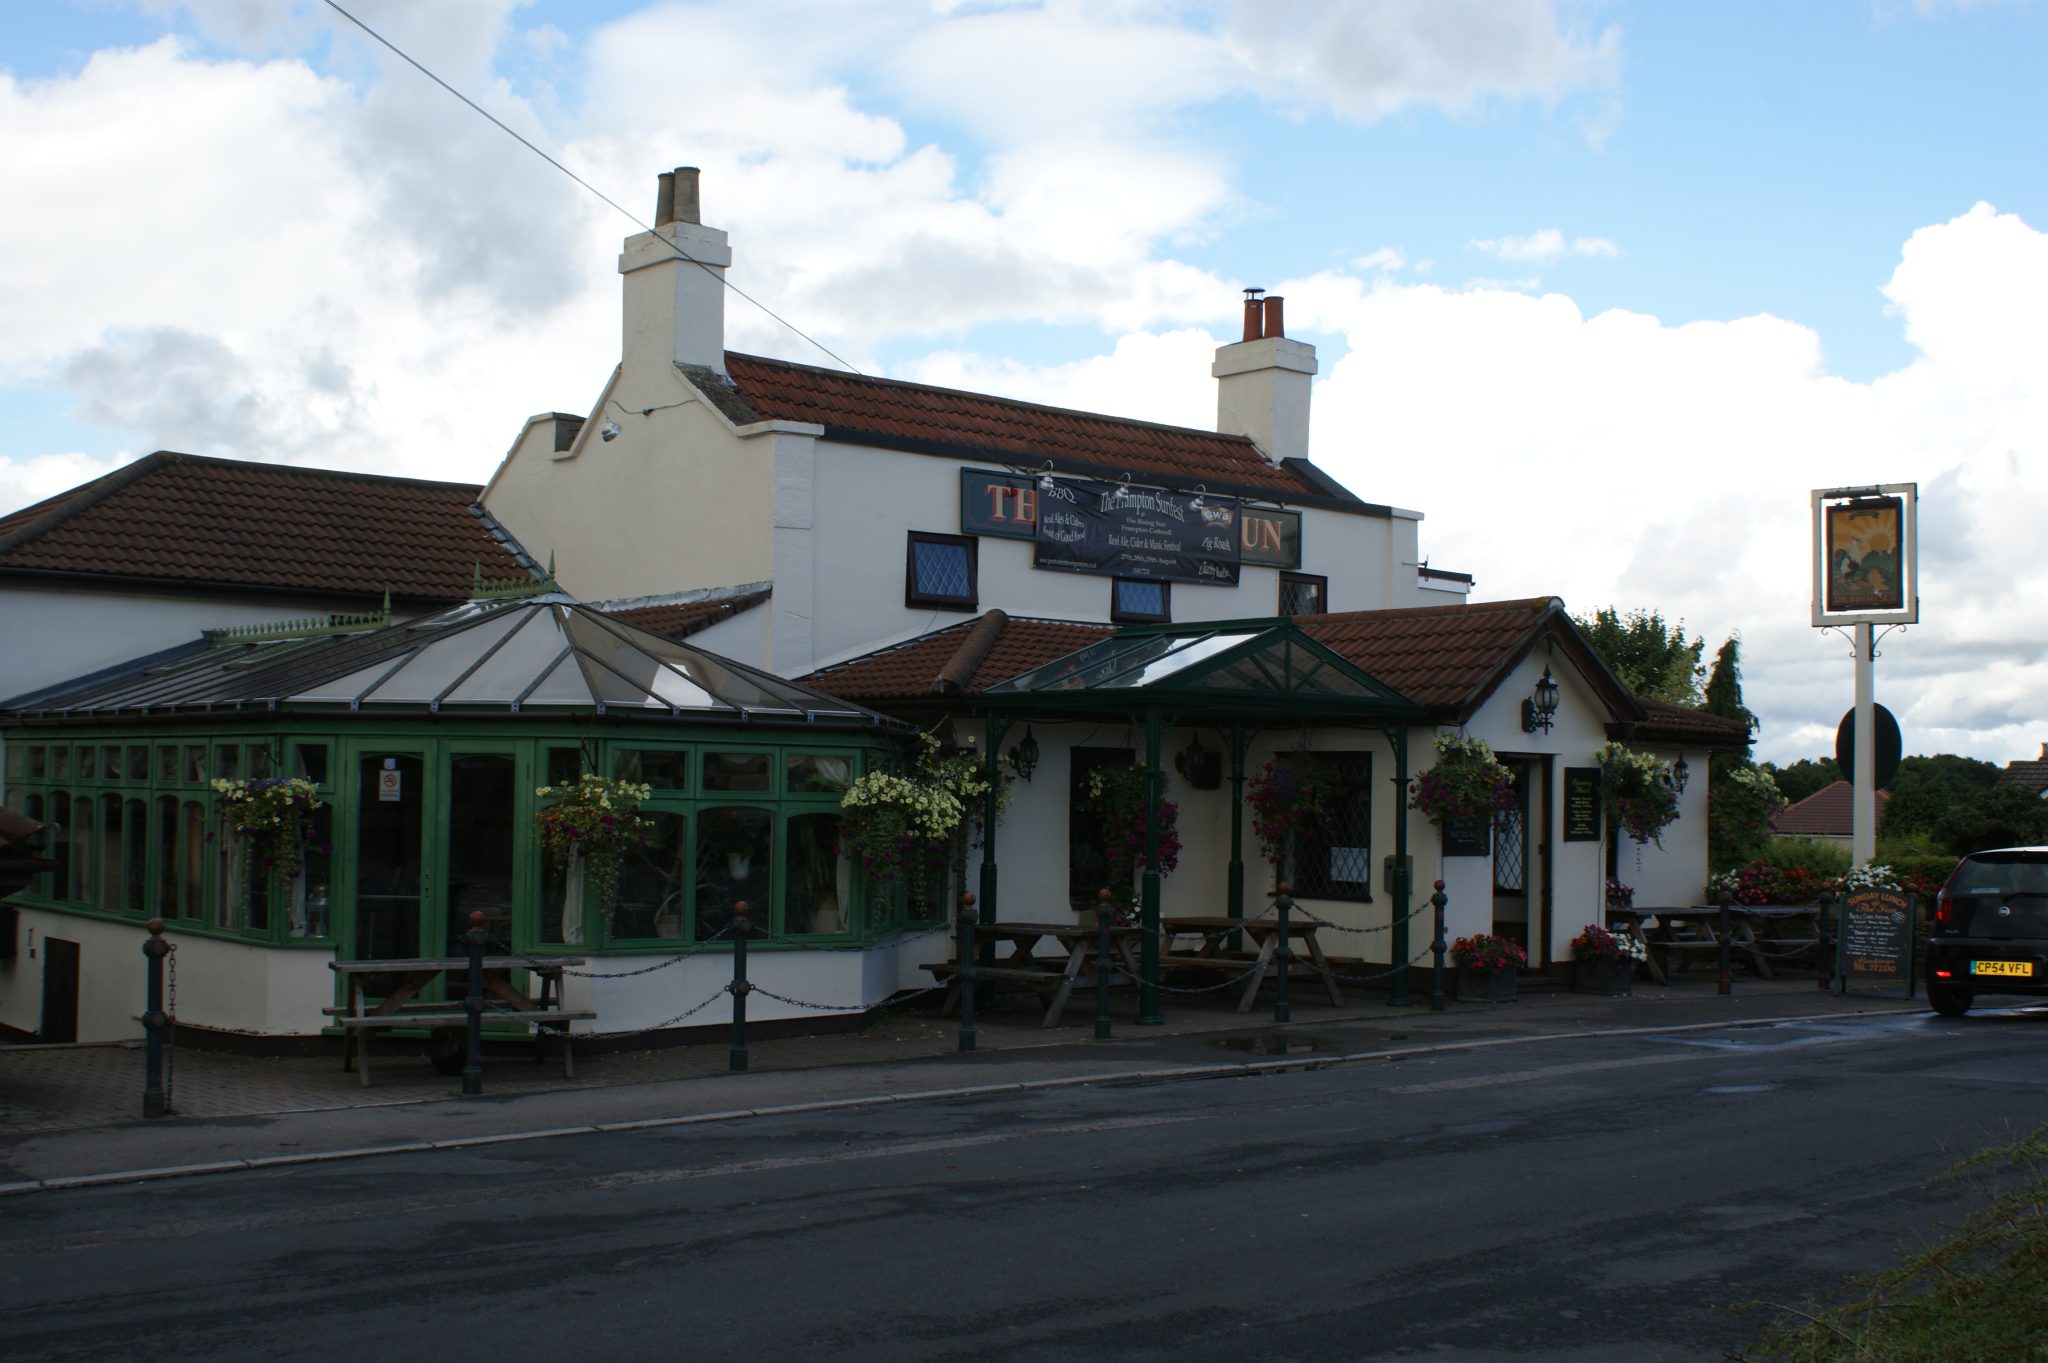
[390, 784]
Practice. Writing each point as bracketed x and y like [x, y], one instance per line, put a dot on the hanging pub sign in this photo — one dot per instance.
[1122, 530]
[1865, 561]
[1000, 504]
[1270, 538]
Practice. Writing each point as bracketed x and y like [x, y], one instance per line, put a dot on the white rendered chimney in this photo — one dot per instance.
[1262, 382]
[674, 303]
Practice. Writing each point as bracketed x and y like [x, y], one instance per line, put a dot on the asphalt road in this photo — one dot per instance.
[1593, 1199]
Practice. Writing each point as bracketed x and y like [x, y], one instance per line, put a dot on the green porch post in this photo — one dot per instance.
[1148, 913]
[1239, 742]
[997, 726]
[1401, 877]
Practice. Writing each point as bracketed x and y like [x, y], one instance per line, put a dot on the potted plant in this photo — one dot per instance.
[903, 826]
[1485, 967]
[273, 817]
[1467, 782]
[1640, 800]
[587, 829]
[1603, 961]
[1116, 796]
[1286, 798]
[1619, 896]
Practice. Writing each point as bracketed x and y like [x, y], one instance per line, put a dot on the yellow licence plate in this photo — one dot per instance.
[2023, 969]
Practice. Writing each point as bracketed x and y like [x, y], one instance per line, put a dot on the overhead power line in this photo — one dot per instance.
[631, 217]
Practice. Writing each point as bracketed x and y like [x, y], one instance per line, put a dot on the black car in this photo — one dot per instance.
[1990, 932]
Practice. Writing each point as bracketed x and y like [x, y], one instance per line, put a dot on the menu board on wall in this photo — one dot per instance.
[1582, 804]
[1874, 942]
[1122, 530]
[1468, 837]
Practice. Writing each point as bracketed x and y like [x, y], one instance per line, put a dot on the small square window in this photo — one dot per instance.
[1138, 601]
[941, 572]
[662, 768]
[736, 771]
[1304, 594]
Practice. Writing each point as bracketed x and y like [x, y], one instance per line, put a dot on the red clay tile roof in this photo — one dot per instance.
[1446, 658]
[1668, 723]
[946, 421]
[2028, 774]
[194, 521]
[1827, 813]
[679, 620]
[912, 669]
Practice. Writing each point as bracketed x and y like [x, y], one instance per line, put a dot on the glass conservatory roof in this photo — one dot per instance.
[545, 653]
[1250, 665]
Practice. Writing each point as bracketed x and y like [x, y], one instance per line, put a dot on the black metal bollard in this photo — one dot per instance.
[1823, 939]
[742, 929]
[1102, 965]
[1437, 948]
[966, 971]
[1726, 984]
[1282, 906]
[473, 1005]
[154, 1022]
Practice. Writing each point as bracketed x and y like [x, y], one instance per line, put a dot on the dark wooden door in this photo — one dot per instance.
[60, 990]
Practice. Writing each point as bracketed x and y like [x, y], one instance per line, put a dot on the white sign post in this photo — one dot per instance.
[1866, 549]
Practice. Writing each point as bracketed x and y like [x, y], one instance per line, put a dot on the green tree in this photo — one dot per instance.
[1724, 686]
[1804, 777]
[2002, 816]
[1652, 658]
[1740, 804]
[1930, 790]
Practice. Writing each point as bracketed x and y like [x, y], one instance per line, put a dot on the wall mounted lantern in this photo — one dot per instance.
[1538, 708]
[1681, 772]
[1024, 756]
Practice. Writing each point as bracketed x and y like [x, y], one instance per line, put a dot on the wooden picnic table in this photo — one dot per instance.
[1210, 957]
[1675, 936]
[401, 981]
[1079, 943]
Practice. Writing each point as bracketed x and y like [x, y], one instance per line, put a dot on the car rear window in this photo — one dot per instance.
[2013, 873]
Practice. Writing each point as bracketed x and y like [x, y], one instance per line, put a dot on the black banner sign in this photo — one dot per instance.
[1874, 941]
[1582, 804]
[1120, 530]
[1471, 836]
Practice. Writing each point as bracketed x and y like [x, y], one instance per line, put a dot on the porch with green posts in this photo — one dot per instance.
[1242, 676]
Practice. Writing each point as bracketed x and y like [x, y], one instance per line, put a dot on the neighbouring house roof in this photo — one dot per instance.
[541, 655]
[2028, 774]
[185, 520]
[681, 619]
[855, 409]
[1447, 659]
[1827, 813]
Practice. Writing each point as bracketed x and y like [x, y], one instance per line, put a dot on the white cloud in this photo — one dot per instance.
[1386, 258]
[1544, 247]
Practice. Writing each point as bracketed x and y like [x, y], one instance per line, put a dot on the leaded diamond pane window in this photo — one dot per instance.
[1303, 594]
[1331, 857]
[1138, 601]
[941, 572]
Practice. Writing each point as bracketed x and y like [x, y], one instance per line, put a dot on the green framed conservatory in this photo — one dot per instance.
[427, 745]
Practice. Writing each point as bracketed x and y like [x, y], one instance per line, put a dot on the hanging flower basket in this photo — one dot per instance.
[590, 826]
[274, 816]
[1287, 798]
[901, 827]
[1467, 782]
[1116, 796]
[1637, 791]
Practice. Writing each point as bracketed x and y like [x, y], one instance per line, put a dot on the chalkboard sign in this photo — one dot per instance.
[1468, 837]
[1582, 804]
[1874, 942]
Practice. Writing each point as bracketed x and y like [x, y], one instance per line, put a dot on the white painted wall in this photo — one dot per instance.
[226, 986]
[58, 633]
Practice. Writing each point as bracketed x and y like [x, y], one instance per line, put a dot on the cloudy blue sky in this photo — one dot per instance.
[1602, 288]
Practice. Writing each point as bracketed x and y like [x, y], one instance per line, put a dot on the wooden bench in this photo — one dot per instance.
[447, 1045]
